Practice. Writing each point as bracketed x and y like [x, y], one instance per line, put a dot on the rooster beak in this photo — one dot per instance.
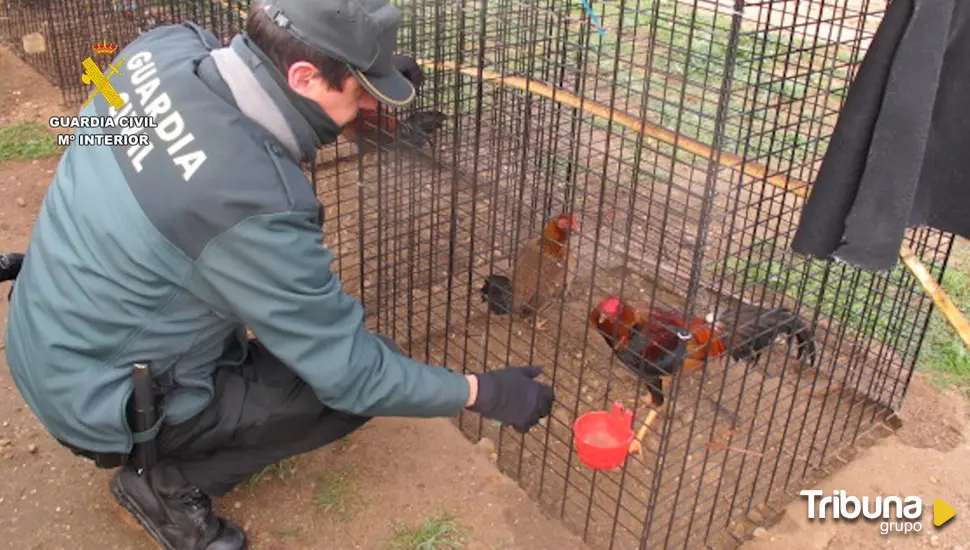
[603, 318]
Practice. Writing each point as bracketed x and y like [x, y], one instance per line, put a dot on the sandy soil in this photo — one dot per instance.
[927, 457]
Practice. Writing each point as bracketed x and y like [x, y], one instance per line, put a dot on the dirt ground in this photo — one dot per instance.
[50, 499]
[927, 457]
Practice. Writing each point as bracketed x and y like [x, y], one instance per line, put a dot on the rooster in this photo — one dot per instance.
[370, 131]
[658, 342]
[755, 329]
[10, 263]
[544, 269]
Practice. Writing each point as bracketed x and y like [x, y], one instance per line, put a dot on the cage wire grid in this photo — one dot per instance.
[664, 221]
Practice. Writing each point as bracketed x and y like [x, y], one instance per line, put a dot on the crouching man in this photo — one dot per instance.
[166, 253]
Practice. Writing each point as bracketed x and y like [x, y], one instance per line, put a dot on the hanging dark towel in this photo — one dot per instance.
[900, 153]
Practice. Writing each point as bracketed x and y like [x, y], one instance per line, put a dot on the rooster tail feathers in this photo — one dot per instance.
[798, 333]
[758, 328]
[496, 281]
[497, 291]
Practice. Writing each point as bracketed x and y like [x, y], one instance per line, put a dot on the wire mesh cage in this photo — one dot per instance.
[683, 136]
[55, 36]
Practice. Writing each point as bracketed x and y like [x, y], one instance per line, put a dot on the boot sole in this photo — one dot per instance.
[132, 515]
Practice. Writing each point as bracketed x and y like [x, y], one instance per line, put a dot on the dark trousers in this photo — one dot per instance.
[262, 412]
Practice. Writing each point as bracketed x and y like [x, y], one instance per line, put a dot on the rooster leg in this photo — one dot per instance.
[540, 320]
[665, 383]
[540, 324]
[637, 445]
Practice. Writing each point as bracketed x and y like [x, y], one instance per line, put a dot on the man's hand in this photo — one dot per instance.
[411, 70]
[512, 396]
[472, 389]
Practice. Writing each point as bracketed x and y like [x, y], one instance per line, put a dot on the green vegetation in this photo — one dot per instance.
[780, 84]
[842, 293]
[282, 470]
[694, 52]
[438, 533]
[845, 294]
[943, 354]
[27, 141]
[337, 492]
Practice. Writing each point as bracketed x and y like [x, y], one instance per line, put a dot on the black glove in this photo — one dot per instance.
[410, 68]
[10, 263]
[511, 396]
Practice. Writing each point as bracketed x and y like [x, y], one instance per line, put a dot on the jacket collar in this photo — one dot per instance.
[260, 91]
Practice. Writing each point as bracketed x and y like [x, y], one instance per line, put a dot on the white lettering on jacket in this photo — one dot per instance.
[170, 127]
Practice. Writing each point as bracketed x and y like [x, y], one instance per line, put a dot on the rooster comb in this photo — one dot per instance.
[567, 221]
[610, 305]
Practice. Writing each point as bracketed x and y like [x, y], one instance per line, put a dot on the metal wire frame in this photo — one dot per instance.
[661, 224]
[414, 233]
[71, 27]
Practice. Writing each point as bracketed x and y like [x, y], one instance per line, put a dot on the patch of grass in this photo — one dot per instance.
[844, 292]
[282, 470]
[295, 533]
[337, 492]
[840, 291]
[693, 46]
[943, 353]
[27, 141]
[780, 81]
[438, 533]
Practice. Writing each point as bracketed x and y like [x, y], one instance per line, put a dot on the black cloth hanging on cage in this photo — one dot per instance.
[900, 153]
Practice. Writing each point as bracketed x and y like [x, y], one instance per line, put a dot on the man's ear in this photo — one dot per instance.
[300, 76]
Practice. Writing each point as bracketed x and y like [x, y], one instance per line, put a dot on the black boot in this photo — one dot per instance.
[176, 514]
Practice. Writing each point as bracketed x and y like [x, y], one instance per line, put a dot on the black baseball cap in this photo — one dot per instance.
[361, 33]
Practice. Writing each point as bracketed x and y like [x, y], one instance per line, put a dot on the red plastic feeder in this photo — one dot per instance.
[603, 438]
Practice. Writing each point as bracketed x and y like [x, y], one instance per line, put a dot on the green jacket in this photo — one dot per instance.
[165, 253]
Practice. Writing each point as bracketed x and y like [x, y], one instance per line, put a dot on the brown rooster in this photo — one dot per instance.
[544, 269]
[657, 342]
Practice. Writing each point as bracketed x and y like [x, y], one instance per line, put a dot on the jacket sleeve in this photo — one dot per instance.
[272, 272]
